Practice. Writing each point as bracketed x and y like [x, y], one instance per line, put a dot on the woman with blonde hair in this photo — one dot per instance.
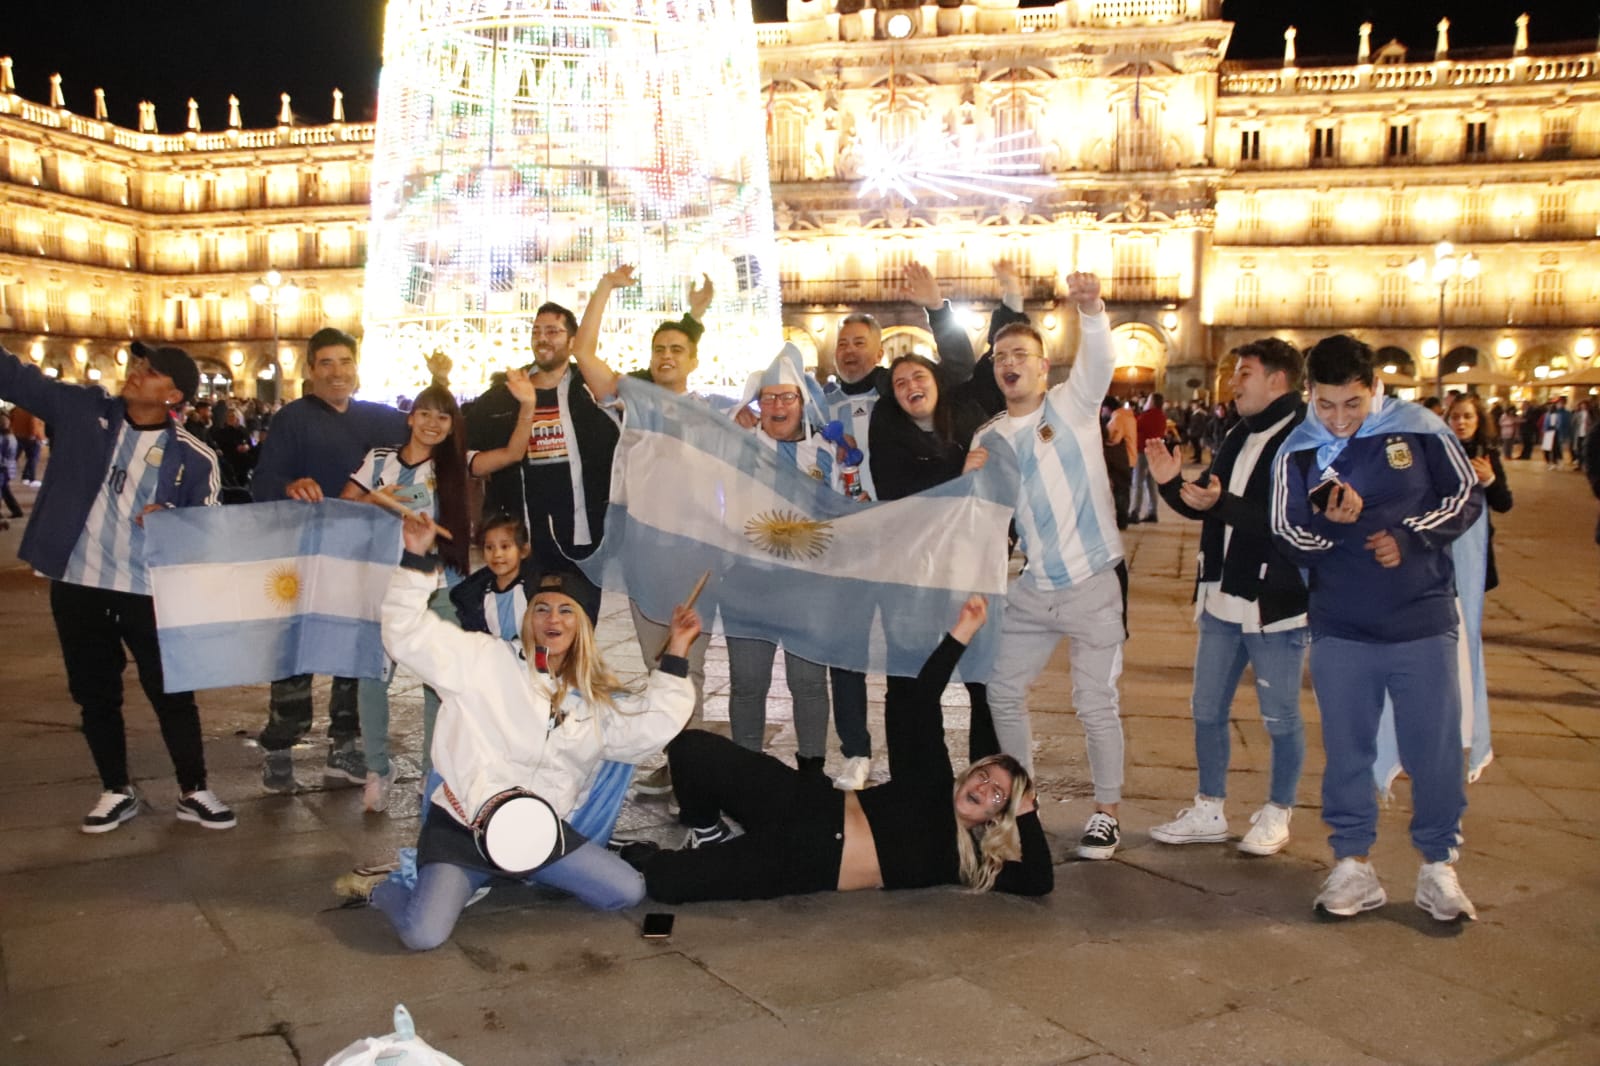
[926, 826]
[541, 718]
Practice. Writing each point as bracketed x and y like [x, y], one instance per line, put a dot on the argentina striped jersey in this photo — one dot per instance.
[1066, 518]
[414, 485]
[110, 550]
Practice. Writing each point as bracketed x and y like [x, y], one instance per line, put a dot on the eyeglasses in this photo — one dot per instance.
[992, 793]
[1008, 358]
[781, 398]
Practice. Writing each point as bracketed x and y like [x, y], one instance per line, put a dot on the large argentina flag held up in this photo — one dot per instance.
[864, 586]
[263, 591]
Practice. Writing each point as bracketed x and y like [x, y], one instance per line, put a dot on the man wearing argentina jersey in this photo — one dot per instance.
[115, 460]
[1066, 521]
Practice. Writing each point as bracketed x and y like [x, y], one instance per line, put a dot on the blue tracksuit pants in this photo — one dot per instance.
[1350, 678]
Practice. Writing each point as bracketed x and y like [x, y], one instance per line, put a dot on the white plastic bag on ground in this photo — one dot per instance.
[403, 1047]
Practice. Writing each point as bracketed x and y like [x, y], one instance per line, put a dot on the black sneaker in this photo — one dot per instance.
[704, 837]
[638, 853]
[205, 809]
[346, 763]
[1100, 837]
[114, 808]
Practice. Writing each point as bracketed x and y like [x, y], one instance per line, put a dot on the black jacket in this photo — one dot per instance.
[1497, 494]
[1253, 567]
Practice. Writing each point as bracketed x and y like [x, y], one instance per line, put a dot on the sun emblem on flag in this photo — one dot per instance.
[283, 586]
[789, 534]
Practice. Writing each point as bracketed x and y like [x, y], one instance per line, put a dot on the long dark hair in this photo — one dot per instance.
[450, 478]
[1486, 438]
[944, 422]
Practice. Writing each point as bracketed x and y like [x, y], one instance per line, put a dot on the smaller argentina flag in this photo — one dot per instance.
[863, 586]
[263, 591]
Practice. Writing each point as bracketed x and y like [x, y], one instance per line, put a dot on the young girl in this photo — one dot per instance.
[428, 475]
[505, 723]
[495, 599]
[927, 826]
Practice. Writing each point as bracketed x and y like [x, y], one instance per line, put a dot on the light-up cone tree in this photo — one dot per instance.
[525, 148]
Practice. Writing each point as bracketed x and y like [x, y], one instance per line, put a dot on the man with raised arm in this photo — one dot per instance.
[1073, 584]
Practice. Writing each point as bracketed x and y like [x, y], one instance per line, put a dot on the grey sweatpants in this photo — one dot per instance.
[1090, 615]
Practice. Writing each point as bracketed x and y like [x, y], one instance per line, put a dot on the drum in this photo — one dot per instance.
[518, 831]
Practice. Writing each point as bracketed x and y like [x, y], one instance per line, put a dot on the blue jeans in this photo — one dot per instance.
[425, 916]
[850, 712]
[1277, 660]
[1421, 678]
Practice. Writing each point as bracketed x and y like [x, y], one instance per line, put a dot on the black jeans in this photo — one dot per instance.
[793, 825]
[93, 626]
[289, 712]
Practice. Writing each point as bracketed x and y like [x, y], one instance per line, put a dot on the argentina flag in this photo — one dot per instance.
[268, 590]
[863, 586]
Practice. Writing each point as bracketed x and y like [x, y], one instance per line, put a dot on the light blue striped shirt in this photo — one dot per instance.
[110, 550]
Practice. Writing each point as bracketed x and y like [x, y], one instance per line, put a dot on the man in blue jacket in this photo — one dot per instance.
[1368, 494]
[114, 460]
[314, 446]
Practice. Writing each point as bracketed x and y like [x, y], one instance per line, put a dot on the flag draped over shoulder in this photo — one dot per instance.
[864, 586]
[258, 592]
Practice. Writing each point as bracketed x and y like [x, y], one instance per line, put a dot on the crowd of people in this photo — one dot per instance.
[1330, 519]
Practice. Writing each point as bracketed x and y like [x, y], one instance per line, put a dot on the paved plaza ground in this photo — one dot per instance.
[164, 943]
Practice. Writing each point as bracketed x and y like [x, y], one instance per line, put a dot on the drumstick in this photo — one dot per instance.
[699, 586]
[389, 503]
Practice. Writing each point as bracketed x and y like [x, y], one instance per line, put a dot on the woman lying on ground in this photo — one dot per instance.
[542, 717]
[924, 827]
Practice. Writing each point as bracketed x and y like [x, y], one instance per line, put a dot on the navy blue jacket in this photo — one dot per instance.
[84, 422]
[308, 438]
[1416, 485]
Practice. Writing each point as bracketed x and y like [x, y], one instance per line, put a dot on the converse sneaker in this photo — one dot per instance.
[853, 778]
[346, 763]
[277, 772]
[375, 792]
[355, 888]
[1439, 893]
[705, 836]
[1351, 888]
[114, 807]
[203, 808]
[1100, 837]
[657, 782]
[1204, 823]
[1269, 831]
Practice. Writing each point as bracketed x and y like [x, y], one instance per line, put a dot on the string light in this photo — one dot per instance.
[523, 149]
[934, 163]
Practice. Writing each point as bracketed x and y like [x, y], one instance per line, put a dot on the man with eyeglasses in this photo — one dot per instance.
[561, 487]
[1074, 582]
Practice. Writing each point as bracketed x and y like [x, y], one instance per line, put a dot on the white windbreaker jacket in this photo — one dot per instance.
[495, 731]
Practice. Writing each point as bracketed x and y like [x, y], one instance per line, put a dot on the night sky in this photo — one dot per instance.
[167, 52]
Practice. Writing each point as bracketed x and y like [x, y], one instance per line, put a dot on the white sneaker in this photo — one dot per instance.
[1204, 823]
[1439, 893]
[1351, 888]
[1269, 831]
[112, 809]
[375, 791]
[853, 778]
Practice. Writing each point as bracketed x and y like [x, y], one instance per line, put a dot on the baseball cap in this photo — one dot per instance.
[174, 363]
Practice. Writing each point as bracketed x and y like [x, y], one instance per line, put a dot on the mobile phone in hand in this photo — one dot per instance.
[657, 926]
[1322, 497]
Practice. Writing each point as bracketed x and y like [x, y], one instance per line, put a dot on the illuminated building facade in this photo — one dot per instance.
[1220, 201]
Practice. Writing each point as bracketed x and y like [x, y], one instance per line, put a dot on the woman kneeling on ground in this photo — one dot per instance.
[506, 723]
[924, 827]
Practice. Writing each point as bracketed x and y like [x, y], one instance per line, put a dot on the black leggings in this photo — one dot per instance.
[793, 825]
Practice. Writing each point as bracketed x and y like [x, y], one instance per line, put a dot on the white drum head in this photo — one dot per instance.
[522, 834]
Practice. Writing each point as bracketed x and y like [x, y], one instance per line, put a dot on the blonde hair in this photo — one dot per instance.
[582, 669]
[984, 850]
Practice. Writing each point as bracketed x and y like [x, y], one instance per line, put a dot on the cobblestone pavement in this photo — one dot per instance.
[163, 943]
